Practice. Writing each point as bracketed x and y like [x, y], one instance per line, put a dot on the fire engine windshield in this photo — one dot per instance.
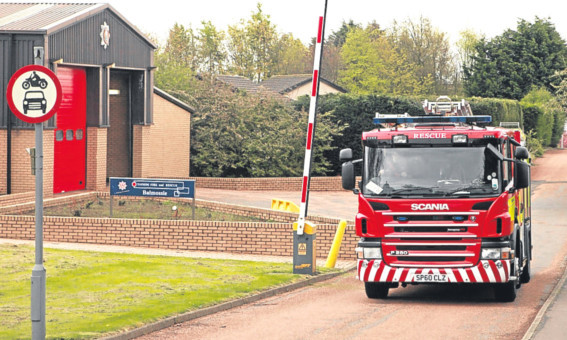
[448, 171]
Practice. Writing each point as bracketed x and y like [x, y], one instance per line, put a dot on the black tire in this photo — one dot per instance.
[26, 85]
[43, 84]
[507, 292]
[376, 290]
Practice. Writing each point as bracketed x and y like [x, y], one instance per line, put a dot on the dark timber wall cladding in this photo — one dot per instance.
[80, 43]
[19, 46]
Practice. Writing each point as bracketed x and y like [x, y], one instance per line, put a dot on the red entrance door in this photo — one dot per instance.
[69, 170]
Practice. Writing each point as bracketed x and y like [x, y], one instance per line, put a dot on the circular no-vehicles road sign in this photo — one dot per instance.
[34, 93]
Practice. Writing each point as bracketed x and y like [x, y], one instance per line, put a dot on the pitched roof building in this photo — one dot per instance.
[113, 123]
[291, 86]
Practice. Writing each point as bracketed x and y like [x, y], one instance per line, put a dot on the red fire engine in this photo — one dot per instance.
[443, 199]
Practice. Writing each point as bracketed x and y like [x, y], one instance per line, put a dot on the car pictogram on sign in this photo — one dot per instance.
[34, 100]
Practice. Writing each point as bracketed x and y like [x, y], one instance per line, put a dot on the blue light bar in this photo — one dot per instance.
[433, 119]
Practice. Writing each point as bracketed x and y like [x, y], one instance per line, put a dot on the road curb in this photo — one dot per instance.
[550, 300]
[173, 320]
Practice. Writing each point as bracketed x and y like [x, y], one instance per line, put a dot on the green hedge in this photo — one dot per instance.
[547, 124]
[501, 110]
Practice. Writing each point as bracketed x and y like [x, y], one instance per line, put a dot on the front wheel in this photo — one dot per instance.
[376, 290]
[507, 292]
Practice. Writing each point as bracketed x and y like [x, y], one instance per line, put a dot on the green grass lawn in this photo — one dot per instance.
[91, 293]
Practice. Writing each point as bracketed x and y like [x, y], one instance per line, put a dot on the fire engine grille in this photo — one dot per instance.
[434, 240]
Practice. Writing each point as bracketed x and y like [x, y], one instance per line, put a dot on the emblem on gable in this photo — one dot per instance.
[105, 35]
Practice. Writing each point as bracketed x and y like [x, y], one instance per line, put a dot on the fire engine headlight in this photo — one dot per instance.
[400, 139]
[495, 254]
[368, 253]
[460, 139]
[490, 254]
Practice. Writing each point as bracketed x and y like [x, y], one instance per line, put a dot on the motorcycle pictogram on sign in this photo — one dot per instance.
[35, 81]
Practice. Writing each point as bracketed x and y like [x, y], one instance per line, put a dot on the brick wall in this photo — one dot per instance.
[3, 160]
[162, 149]
[261, 238]
[96, 158]
[22, 179]
[231, 237]
[270, 184]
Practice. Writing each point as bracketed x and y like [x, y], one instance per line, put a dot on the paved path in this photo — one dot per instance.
[337, 204]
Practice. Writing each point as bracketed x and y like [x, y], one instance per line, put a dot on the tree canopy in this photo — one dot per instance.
[373, 65]
[509, 65]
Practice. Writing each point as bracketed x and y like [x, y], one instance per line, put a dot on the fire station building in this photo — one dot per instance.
[112, 121]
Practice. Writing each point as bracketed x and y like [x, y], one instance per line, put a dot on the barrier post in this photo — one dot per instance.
[336, 246]
[304, 250]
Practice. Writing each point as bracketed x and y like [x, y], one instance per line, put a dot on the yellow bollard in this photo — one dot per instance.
[334, 253]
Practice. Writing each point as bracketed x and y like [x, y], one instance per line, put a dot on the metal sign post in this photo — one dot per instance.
[34, 95]
[38, 273]
[304, 261]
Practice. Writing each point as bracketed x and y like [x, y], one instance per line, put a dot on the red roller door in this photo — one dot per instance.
[69, 170]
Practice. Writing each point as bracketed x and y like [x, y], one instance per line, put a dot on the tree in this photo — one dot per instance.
[239, 135]
[428, 49]
[291, 56]
[181, 47]
[559, 84]
[178, 61]
[509, 65]
[373, 65]
[252, 46]
[338, 38]
[211, 51]
[466, 50]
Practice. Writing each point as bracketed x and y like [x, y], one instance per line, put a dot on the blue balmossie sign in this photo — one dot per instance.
[152, 187]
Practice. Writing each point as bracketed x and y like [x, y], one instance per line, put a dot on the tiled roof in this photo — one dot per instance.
[277, 84]
[241, 83]
[283, 84]
[45, 18]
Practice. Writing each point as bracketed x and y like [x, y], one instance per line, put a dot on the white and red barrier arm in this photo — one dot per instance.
[311, 122]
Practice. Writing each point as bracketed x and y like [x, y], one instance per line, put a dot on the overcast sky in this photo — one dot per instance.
[490, 17]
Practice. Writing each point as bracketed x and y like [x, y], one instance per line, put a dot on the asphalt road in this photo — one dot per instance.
[339, 309]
